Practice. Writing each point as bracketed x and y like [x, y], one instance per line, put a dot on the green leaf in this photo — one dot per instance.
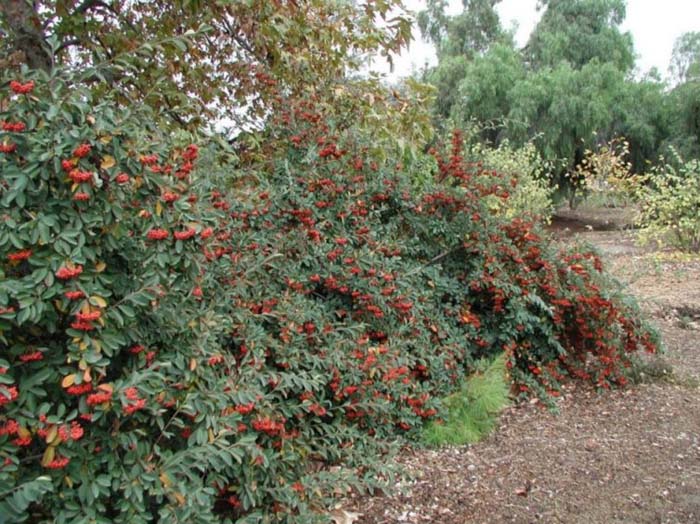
[14, 504]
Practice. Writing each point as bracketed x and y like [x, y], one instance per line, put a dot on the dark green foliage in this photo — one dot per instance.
[15, 504]
[684, 105]
[176, 349]
[483, 94]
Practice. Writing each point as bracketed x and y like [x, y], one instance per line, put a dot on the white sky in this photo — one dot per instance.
[654, 24]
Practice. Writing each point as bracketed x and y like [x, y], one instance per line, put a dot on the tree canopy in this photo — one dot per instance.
[578, 32]
[192, 58]
[569, 89]
[469, 33]
[685, 61]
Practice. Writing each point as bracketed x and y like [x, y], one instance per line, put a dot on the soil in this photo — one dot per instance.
[630, 456]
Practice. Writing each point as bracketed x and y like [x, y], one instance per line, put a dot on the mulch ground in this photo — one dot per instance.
[630, 456]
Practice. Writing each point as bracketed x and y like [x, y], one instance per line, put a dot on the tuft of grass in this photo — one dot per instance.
[473, 410]
[651, 370]
[658, 370]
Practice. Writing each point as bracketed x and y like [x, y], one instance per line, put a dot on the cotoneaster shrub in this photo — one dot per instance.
[179, 351]
[105, 337]
[123, 396]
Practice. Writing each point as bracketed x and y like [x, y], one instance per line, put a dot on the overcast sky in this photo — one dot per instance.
[654, 24]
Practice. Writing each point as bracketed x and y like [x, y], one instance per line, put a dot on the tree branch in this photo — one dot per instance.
[88, 5]
[233, 33]
[436, 259]
[68, 43]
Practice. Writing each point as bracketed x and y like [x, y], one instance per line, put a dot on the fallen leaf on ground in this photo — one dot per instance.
[340, 516]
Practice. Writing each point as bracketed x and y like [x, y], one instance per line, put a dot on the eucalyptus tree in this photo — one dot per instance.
[685, 60]
[458, 40]
[684, 98]
[580, 31]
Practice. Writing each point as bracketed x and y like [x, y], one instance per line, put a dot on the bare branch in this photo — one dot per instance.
[68, 43]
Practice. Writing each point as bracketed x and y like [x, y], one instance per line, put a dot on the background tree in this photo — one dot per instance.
[458, 40]
[191, 59]
[469, 33]
[579, 31]
[569, 89]
[685, 60]
[643, 114]
[564, 107]
[483, 93]
[684, 99]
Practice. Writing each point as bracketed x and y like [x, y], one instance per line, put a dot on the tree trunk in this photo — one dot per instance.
[26, 35]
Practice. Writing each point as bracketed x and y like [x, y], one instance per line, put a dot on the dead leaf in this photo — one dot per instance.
[165, 479]
[340, 516]
[108, 161]
[52, 435]
[525, 490]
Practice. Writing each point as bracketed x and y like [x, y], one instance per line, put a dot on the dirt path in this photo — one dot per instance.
[628, 456]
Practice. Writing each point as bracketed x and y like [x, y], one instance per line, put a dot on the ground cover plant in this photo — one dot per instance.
[472, 412]
[180, 348]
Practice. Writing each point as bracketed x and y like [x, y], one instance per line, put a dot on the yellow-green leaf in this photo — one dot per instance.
[49, 455]
[98, 301]
[68, 380]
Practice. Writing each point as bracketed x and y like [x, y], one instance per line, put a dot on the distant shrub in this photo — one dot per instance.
[606, 175]
[525, 172]
[669, 199]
